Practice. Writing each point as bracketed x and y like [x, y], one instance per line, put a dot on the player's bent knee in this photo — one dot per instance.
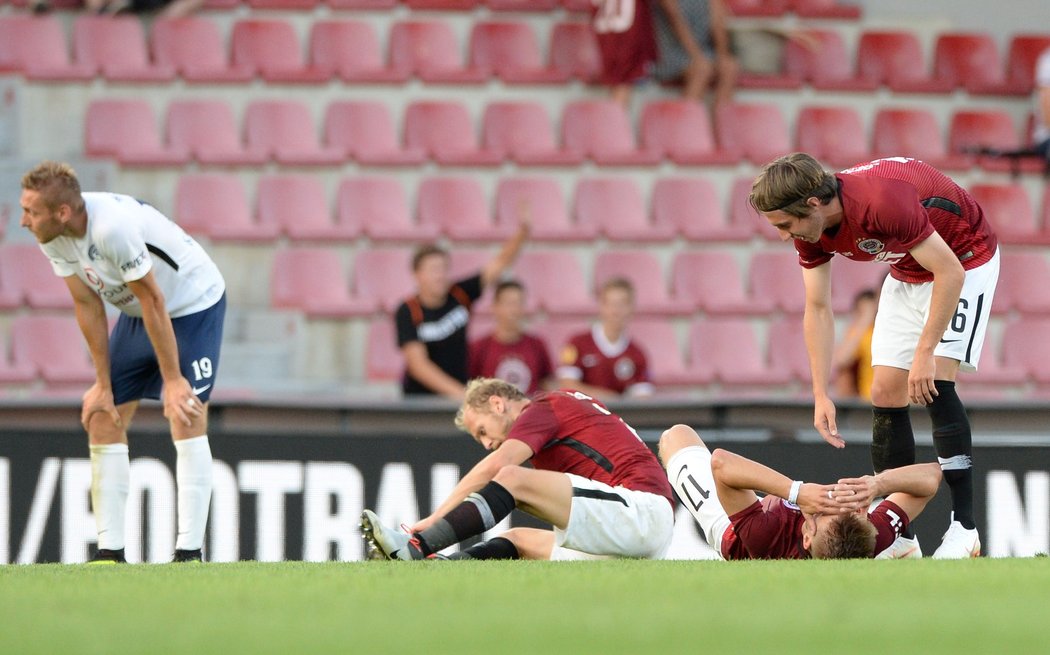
[676, 438]
[511, 478]
[718, 460]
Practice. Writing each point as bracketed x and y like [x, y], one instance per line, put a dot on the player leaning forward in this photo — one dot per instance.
[592, 478]
[933, 309]
[165, 344]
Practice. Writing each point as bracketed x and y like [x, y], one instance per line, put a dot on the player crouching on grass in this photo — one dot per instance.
[593, 479]
[795, 520]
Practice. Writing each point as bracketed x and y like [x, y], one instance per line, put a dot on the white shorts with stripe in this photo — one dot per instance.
[904, 308]
[607, 521]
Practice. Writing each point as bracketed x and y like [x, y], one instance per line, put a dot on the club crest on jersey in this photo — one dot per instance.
[93, 252]
[871, 246]
[624, 368]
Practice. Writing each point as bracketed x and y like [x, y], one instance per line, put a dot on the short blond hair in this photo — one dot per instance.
[785, 184]
[478, 392]
[57, 184]
[849, 536]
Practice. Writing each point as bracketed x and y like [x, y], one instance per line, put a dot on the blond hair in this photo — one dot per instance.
[57, 184]
[478, 392]
[785, 184]
[849, 536]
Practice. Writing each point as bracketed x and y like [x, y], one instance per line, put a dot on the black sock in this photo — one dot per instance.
[953, 442]
[497, 548]
[480, 511]
[892, 441]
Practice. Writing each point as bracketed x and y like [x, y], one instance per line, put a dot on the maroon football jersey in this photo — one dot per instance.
[524, 363]
[592, 359]
[571, 432]
[626, 40]
[891, 205]
[771, 528]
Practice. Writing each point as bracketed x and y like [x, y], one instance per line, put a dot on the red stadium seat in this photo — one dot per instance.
[834, 134]
[314, 281]
[510, 51]
[365, 130]
[1021, 59]
[298, 205]
[893, 58]
[445, 131]
[742, 214]
[1009, 211]
[555, 282]
[643, 270]
[429, 50]
[756, 130]
[1021, 286]
[850, 278]
[973, 131]
[216, 206]
[692, 207]
[195, 49]
[442, 5]
[822, 61]
[303, 5]
[601, 130]
[727, 350]
[37, 47]
[522, 5]
[383, 276]
[458, 207]
[12, 372]
[775, 277]
[271, 49]
[757, 8]
[711, 280]
[615, 206]
[127, 131]
[556, 333]
[374, 5]
[667, 366]
[539, 200]
[521, 130]
[284, 130]
[378, 207]
[994, 375]
[574, 50]
[968, 61]
[1025, 346]
[115, 46]
[680, 130]
[825, 9]
[914, 133]
[27, 278]
[350, 49]
[208, 131]
[786, 345]
[53, 346]
[383, 359]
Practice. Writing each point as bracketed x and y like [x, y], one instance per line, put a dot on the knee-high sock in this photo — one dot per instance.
[496, 548]
[480, 511]
[110, 473]
[193, 477]
[953, 442]
[892, 441]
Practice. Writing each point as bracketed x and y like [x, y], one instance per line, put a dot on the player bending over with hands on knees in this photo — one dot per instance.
[795, 520]
[593, 480]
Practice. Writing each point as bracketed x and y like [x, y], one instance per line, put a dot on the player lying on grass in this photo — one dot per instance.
[795, 520]
[592, 478]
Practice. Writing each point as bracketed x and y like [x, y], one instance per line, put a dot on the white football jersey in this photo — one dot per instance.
[126, 239]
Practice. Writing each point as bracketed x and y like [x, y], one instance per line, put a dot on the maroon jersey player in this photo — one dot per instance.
[933, 308]
[592, 479]
[508, 352]
[795, 520]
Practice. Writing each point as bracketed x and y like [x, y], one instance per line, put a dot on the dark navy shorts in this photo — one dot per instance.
[133, 363]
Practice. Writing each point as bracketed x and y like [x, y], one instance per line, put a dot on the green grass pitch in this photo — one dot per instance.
[957, 607]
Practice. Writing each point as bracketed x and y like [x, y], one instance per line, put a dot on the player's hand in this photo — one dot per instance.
[99, 398]
[423, 524]
[820, 499]
[180, 403]
[856, 492]
[921, 389]
[824, 422]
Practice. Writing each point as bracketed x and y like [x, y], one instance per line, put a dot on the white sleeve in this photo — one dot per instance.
[124, 246]
[59, 264]
[1042, 70]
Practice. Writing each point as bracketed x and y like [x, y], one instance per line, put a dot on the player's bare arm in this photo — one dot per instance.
[909, 487]
[934, 255]
[511, 453]
[818, 325]
[506, 256]
[738, 478]
[91, 317]
[180, 403]
[429, 374]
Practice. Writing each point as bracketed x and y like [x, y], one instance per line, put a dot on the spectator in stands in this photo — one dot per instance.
[851, 360]
[693, 43]
[165, 345]
[508, 352]
[1041, 132]
[432, 324]
[604, 362]
[163, 8]
[627, 44]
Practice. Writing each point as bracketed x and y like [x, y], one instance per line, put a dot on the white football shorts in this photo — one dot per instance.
[689, 471]
[609, 521]
[904, 308]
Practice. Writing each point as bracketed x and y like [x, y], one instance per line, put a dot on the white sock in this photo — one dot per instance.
[193, 477]
[110, 473]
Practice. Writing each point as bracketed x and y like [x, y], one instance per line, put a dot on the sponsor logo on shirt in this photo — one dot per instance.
[134, 263]
[445, 327]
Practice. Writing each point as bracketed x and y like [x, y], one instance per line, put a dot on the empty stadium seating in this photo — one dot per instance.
[510, 51]
[615, 207]
[445, 131]
[193, 47]
[521, 131]
[428, 49]
[350, 49]
[126, 130]
[600, 130]
[207, 131]
[540, 201]
[693, 208]
[711, 280]
[284, 130]
[1009, 210]
[727, 350]
[458, 208]
[270, 49]
[834, 134]
[914, 133]
[378, 207]
[297, 204]
[755, 130]
[53, 347]
[314, 280]
[365, 130]
[681, 131]
[215, 205]
[115, 47]
[555, 282]
[776, 278]
[26, 278]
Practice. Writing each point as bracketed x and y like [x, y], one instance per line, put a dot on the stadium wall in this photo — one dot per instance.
[280, 497]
